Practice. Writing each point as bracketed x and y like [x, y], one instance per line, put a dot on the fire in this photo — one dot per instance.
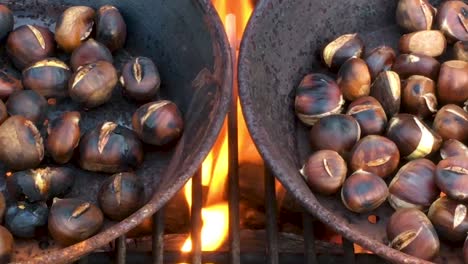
[215, 213]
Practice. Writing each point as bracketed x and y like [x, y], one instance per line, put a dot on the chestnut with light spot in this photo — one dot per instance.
[418, 96]
[63, 136]
[380, 59]
[453, 82]
[354, 79]
[341, 49]
[88, 52]
[370, 115]
[407, 65]
[74, 26]
[452, 19]
[140, 79]
[9, 84]
[449, 218]
[48, 77]
[452, 177]
[415, 15]
[387, 90]
[451, 122]
[452, 148]
[427, 42]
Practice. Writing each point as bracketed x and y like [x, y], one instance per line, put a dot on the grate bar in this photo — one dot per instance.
[348, 248]
[158, 237]
[196, 218]
[121, 250]
[271, 221]
[309, 239]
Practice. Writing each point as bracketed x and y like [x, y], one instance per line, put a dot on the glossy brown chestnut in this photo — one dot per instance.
[387, 90]
[29, 104]
[73, 220]
[341, 49]
[317, 96]
[7, 245]
[325, 171]
[111, 29]
[41, 184]
[453, 82]
[418, 96]
[427, 42]
[121, 195]
[88, 52]
[414, 186]
[363, 192]
[452, 148]
[410, 231]
[140, 79]
[370, 115]
[375, 154]
[407, 65]
[451, 122]
[26, 219]
[92, 85]
[380, 59]
[415, 15]
[335, 132]
[452, 19]
[354, 79]
[110, 148]
[48, 77]
[63, 136]
[158, 123]
[449, 218]
[452, 177]
[21, 144]
[28, 44]
[7, 22]
[460, 49]
[412, 136]
[8, 85]
[3, 112]
[74, 26]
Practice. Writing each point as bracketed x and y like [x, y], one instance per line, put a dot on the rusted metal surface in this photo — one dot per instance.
[280, 45]
[187, 41]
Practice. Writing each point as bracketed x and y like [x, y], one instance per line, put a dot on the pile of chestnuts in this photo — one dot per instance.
[36, 151]
[394, 127]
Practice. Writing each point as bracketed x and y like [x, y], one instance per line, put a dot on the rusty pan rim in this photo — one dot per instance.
[157, 201]
[274, 162]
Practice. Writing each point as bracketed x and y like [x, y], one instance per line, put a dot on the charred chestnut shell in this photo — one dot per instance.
[140, 79]
[451, 122]
[407, 65]
[48, 77]
[7, 22]
[29, 104]
[25, 219]
[380, 59]
[370, 115]
[74, 26]
[415, 15]
[110, 148]
[449, 218]
[90, 51]
[418, 96]
[63, 136]
[341, 49]
[9, 84]
[387, 90]
[452, 177]
[111, 29]
[452, 19]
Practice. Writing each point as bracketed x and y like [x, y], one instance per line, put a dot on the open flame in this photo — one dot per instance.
[215, 212]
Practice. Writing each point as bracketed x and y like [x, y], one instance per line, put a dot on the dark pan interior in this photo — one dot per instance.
[187, 42]
[281, 45]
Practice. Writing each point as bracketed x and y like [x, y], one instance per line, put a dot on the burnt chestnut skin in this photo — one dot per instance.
[449, 218]
[341, 49]
[451, 122]
[28, 44]
[418, 96]
[63, 136]
[7, 244]
[110, 148]
[354, 79]
[370, 115]
[25, 219]
[73, 220]
[111, 29]
[387, 90]
[90, 51]
[74, 26]
[452, 177]
[8, 85]
[380, 59]
[48, 77]
[121, 195]
[140, 79]
[29, 104]
[415, 15]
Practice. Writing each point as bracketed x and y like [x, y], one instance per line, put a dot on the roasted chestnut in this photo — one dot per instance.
[73, 220]
[452, 148]
[418, 96]
[427, 42]
[8, 85]
[453, 82]
[375, 154]
[158, 123]
[2, 206]
[143, 229]
[48, 77]
[63, 136]
[92, 85]
[415, 15]
[140, 79]
[335, 132]
[41, 184]
[7, 22]
[121, 195]
[370, 115]
[410, 231]
[29, 104]
[111, 29]
[7, 244]
[451, 122]
[317, 96]
[73, 27]
[341, 49]
[363, 192]
[412, 136]
[414, 186]
[3, 112]
[110, 148]
[452, 19]
[28, 44]
[387, 90]
[460, 49]
[88, 52]
[449, 218]
[21, 144]
[25, 219]
[380, 59]
[325, 171]
[452, 177]
[354, 79]
[407, 65]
